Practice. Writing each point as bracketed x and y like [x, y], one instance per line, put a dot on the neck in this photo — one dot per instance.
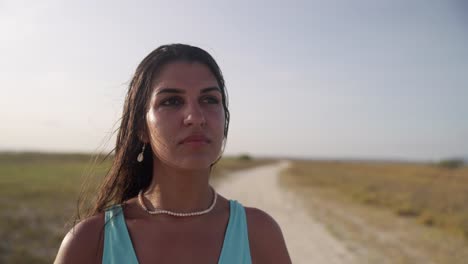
[178, 190]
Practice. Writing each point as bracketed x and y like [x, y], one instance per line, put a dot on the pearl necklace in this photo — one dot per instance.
[161, 211]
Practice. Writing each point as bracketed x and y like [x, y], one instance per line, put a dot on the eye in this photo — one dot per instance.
[211, 100]
[173, 101]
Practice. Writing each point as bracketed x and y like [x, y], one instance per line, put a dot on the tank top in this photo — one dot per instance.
[118, 247]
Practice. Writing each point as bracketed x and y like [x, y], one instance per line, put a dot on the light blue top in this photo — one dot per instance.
[118, 247]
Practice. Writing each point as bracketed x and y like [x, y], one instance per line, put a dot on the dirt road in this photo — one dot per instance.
[308, 241]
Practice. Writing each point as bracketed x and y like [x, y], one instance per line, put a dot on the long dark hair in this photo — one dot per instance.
[126, 177]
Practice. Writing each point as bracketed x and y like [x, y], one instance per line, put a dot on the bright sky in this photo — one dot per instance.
[318, 79]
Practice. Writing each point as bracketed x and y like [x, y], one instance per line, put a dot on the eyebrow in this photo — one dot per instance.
[180, 91]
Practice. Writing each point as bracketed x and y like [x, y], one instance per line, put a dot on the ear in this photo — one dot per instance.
[143, 134]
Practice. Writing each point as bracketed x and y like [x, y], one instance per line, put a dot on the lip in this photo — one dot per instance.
[196, 139]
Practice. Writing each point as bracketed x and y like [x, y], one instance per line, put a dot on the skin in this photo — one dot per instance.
[180, 183]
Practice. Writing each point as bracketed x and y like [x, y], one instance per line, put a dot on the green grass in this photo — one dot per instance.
[38, 197]
[434, 195]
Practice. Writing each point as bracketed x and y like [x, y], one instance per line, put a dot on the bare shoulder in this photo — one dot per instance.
[267, 244]
[83, 243]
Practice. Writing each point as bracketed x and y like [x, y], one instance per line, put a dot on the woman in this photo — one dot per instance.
[156, 205]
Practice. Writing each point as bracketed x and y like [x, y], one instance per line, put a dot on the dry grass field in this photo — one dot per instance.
[433, 197]
[38, 196]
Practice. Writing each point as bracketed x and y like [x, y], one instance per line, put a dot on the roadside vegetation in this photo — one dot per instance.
[388, 212]
[39, 193]
[435, 194]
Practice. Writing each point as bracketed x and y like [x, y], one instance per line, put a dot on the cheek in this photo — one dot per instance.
[218, 121]
[160, 130]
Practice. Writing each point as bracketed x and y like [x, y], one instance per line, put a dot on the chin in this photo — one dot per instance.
[197, 163]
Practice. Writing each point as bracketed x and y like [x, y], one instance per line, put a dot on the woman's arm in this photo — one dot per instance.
[266, 240]
[83, 243]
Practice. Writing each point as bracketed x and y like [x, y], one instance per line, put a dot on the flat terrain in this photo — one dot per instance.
[387, 212]
[38, 197]
[329, 211]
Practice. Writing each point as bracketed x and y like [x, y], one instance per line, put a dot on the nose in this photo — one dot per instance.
[194, 115]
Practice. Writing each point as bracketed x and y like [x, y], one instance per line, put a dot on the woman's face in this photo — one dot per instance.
[186, 102]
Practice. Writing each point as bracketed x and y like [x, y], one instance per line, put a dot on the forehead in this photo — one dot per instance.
[184, 75]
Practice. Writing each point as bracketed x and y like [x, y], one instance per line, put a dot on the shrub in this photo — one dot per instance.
[245, 157]
[426, 219]
[451, 163]
[408, 210]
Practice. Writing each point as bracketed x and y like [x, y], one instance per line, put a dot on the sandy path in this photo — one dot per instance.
[307, 240]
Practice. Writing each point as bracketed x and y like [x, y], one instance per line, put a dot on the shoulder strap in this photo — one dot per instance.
[118, 246]
[236, 247]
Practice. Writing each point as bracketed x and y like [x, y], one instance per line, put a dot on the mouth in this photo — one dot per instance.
[196, 140]
[195, 143]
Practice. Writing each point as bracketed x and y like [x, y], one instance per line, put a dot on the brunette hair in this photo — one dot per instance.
[126, 177]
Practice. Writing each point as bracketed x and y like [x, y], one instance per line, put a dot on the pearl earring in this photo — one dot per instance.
[140, 156]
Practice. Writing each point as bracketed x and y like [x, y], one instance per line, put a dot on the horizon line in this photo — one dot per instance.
[267, 156]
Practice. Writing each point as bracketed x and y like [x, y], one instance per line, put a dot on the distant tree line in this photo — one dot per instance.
[453, 163]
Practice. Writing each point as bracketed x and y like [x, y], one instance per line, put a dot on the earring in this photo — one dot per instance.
[140, 156]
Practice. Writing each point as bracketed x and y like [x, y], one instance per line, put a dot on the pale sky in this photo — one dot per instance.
[318, 79]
